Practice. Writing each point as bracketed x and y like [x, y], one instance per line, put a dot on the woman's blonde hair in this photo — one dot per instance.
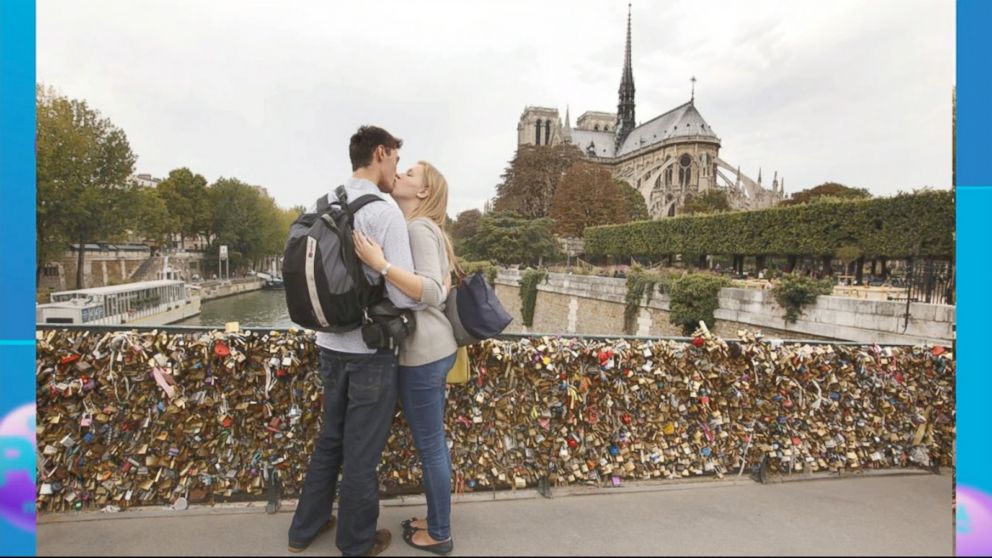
[435, 208]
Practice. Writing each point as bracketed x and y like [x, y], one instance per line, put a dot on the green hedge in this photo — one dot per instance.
[486, 267]
[884, 227]
[639, 283]
[528, 294]
[695, 297]
[795, 292]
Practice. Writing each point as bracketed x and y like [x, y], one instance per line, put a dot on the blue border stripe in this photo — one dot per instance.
[17, 169]
[17, 226]
[974, 200]
[974, 384]
[974, 79]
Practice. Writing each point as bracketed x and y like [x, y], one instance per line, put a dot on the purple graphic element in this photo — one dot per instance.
[17, 490]
[19, 422]
[17, 500]
[974, 522]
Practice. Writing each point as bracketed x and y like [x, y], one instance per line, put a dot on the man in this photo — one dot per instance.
[360, 384]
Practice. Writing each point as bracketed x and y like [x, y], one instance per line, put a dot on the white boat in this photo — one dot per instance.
[142, 303]
[271, 281]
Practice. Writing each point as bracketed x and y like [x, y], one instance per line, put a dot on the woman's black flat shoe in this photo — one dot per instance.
[407, 524]
[437, 548]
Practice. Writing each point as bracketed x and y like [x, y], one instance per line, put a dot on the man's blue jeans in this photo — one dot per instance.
[359, 406]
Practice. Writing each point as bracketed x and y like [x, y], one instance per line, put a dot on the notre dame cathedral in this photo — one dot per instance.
[667, 158]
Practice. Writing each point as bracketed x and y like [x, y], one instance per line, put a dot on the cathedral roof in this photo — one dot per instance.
[602, 142]
[682, 121]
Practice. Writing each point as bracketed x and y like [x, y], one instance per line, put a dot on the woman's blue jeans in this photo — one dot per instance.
[422, 395]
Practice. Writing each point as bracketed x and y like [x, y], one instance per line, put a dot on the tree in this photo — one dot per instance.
[237, 218]
[827, 189]
[637, 209]
[248, 221]
[185, 196]
[83, 165]
[57, 145]
[464, 227]
[275, 227]
[529, 183]
[587, 196]
[954, 137]
[509, 238]
[150, 216]
[847, 254]
[694, 297]
[710, 201]
[465, 224]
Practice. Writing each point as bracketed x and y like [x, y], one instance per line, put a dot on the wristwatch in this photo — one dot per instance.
[385, 270]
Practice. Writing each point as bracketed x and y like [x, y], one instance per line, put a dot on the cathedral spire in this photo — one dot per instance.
[566, 132]
[626, 58]
[625, 108]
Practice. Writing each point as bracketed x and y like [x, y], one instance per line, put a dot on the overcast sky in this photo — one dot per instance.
[852, 91]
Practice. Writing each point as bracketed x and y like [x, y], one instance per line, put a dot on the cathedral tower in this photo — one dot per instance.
[625, 108]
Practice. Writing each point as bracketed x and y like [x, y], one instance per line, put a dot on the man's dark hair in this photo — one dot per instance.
[364, 142]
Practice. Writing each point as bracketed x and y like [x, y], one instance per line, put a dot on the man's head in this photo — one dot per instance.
[374, 154]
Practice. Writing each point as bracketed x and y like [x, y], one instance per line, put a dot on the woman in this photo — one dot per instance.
[428, 354]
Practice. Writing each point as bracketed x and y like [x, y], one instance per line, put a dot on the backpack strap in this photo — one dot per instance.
[362, 201]
[342, 199]
[322, 203]
[375, 291]
[341, 195]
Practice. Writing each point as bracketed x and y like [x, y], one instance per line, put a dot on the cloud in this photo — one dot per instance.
[269, 92]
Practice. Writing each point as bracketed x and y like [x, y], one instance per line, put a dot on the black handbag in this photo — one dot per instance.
[386, 326]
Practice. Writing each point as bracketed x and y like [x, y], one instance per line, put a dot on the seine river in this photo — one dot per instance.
[254, 309]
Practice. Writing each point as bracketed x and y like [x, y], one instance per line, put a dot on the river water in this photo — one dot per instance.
[254, 309]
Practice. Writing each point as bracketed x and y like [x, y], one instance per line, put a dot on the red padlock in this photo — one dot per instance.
[69, 359]
[221, 350]
[698, 341]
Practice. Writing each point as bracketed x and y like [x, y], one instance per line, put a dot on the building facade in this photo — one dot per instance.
[668, 159]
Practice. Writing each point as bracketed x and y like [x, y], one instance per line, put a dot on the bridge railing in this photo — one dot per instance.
[131, 416]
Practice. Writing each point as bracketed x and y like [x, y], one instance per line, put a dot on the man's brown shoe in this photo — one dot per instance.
[293, 547]
[380, 542]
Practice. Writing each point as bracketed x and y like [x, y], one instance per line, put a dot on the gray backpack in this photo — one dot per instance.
[326, 289]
